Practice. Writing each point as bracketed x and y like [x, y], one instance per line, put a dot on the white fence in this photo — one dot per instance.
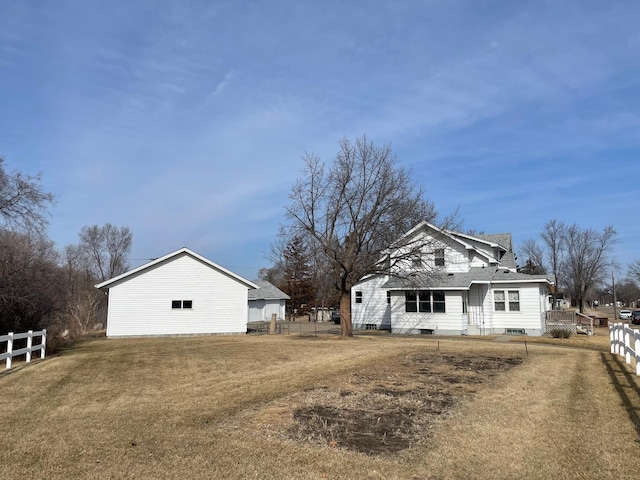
[28, 350]
[625, 341]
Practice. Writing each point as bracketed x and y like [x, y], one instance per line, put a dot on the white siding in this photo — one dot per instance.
[256, 311]
[452, 322]
[261, 310]
[141, 303]
[374, 308]
[456, 258]
[530, 315]
[480, 310]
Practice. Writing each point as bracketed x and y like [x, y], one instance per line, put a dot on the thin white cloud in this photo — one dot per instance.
[222, 85]
[118, 104]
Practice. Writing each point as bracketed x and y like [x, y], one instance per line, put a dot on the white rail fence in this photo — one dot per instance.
[11, 337]
[625, 341]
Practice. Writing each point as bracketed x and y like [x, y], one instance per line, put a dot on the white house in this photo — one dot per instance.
[266, 300]
[181, 293]
[452, 284]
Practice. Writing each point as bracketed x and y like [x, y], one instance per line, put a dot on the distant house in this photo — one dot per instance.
[561, 299]
[456, 284]
[266, 300]
[182, 293]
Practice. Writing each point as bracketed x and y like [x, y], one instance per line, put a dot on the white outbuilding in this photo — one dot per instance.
[182, 293]
[266, 301]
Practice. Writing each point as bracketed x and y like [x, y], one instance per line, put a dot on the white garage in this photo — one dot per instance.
[182, 293]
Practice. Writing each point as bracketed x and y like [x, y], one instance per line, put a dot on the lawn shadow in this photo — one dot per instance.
[627, 384]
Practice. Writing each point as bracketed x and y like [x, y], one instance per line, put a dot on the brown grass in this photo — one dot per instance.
[234, 407]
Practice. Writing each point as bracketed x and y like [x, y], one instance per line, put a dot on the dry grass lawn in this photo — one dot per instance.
[307, 408]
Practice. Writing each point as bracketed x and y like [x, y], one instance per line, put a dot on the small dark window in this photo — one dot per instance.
[388, 297]
[438, 302]
[358, 297]
[187, 304]
[176, 303]
[410, 302]
[439, 257]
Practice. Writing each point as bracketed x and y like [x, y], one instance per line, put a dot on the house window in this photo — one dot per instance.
[388, 297]
[359, 297]
[416, 260]
[438, 302]
[410, 302]
[514, 301]
[181, 304]
[425, 301]
[498, 301]
[439, 254]
[510, 299]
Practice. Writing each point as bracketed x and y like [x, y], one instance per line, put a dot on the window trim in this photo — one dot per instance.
[439, 257]
[181, 304]
[506, 304]
[437, 304]
[424, 301]
[424, 304]
[411, 301]
[358, 296]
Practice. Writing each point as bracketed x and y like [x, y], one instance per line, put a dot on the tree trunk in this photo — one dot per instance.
[345, 313]
[581, 304]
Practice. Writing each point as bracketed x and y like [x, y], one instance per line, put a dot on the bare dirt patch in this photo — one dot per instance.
[388, 408]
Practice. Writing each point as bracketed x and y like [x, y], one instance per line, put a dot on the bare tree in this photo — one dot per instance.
[634, 271]
[535, 258]
[627, 291]
[107, 248]
[31, 288]
[23, 203]
[351, 212]
[553, 237]
[587, 259]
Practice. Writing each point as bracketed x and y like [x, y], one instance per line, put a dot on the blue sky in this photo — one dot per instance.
[186, 120]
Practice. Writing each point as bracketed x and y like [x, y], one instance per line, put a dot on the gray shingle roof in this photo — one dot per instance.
[504, 240]
[267, 291]
[462, 281]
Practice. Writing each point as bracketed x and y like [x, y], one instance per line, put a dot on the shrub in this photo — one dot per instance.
[560, 333]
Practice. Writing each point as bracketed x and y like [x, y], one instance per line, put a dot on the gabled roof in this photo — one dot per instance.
[183, 251]
[500, 241]
[267, 291]
[462, 281]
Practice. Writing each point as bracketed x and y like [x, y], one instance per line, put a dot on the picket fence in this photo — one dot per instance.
[11, 337]
[625, 341]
